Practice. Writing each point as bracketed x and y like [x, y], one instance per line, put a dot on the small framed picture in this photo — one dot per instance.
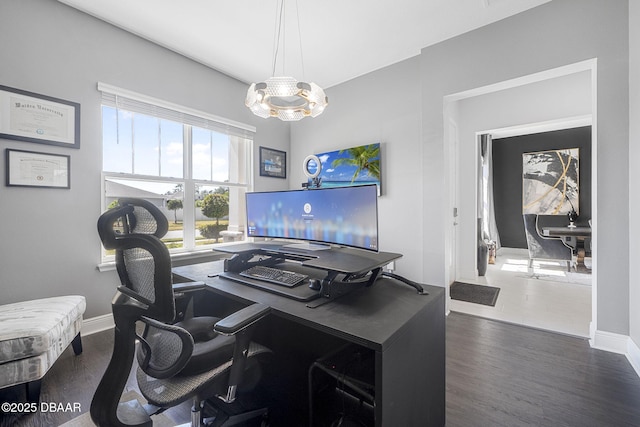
[32, 169]
[30, 117]
[273, 163]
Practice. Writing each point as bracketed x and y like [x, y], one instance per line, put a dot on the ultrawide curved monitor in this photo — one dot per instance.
[346, 216]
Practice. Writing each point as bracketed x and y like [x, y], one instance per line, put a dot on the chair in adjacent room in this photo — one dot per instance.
[207, 359]
[545, 248]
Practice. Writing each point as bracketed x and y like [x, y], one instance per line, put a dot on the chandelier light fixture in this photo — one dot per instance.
[285, 97]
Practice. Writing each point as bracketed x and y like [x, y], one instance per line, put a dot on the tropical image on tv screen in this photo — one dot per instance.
[350, 166]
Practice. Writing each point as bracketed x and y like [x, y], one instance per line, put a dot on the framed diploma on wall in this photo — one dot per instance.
[28, 116]
[32, 169]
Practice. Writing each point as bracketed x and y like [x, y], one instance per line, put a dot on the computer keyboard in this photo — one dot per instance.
[274, 275]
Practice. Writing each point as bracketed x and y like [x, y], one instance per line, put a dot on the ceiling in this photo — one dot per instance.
[340, 39]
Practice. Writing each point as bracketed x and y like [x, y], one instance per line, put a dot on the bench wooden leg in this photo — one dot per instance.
[77, 344]
[33, 391]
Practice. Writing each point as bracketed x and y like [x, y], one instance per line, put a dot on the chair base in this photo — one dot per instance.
[133, 414]
[569, 264]
[231, 414]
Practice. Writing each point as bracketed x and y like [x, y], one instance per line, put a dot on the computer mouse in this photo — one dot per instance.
[315, 284]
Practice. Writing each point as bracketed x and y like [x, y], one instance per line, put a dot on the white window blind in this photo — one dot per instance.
[132, 101]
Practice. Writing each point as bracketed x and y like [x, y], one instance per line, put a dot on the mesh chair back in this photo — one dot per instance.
[134, 229]
[146, 218]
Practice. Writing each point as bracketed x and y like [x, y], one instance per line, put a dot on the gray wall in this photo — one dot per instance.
[634, 170]
[507, 180]
[49, 241]
[552, 35]
[379, 107]
[555, 34]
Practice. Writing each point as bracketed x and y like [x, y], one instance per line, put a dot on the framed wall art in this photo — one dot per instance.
[550, 183]
[33, 169]
[31, 117]
[273, 163]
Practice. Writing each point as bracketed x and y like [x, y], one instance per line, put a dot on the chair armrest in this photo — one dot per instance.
[188, 286]
[183, 294]
[239, 320]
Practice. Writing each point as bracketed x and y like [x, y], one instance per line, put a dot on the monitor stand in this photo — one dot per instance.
[308, 246]
[346, 269]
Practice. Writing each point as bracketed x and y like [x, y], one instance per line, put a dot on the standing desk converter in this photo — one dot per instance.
[405, 330]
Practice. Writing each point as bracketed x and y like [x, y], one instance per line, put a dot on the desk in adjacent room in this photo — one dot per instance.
[571, 236]
[576, 232]
[404, 330]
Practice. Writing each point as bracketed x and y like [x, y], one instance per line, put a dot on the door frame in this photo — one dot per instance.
[451, 116]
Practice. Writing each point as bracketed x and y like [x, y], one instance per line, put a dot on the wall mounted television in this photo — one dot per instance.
[351, 166]
[345, 216]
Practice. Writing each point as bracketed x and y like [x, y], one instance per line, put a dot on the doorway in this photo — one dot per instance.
[556, 99]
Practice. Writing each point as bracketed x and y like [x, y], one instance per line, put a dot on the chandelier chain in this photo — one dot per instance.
[300, 40]
[279, 14]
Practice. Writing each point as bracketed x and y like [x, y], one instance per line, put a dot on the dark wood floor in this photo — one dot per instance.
[505, 375]
[497, 375]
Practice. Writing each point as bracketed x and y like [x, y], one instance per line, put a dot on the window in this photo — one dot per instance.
[195, 167]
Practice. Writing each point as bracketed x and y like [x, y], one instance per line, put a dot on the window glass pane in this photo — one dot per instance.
[210, 155]
[146, 145]
[172, 143]
[116, 140]
[220, 157]
[167, 196]
[142, 156]
[201, 153]
[214, 224]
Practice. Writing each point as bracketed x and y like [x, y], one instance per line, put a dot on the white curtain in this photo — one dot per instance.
[487, 211]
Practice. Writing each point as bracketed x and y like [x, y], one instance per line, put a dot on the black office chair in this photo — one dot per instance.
[207, 359]
[546, 248]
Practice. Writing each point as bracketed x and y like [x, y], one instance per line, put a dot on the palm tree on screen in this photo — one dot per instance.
[364, 158]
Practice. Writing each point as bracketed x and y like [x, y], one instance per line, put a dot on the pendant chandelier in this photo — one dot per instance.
[285, 97]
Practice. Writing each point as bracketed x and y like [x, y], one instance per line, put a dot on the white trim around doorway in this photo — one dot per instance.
[450, 109]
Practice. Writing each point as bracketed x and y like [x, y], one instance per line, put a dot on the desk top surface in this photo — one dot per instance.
[567, 231]
[370, 317]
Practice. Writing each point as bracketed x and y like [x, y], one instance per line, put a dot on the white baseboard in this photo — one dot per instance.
[608, 341]
[97, 324]
[633, 354]
[616, 343]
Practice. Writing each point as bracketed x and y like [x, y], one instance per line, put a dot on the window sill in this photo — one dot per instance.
[180, 258]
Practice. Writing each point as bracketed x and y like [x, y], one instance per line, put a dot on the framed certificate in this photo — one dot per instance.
[27, 116]
[32, 169]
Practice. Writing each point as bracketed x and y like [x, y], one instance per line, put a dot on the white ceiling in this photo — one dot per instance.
[341, 39]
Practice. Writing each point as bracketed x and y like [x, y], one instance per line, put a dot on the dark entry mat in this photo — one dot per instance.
[477, 294]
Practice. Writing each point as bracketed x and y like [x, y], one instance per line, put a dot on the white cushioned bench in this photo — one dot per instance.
[33, 334]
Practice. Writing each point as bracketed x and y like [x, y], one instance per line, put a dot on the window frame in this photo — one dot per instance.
[236, 132]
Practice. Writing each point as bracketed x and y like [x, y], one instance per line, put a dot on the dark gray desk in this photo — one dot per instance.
[405, 330]
[577, 232]
[571, 236]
